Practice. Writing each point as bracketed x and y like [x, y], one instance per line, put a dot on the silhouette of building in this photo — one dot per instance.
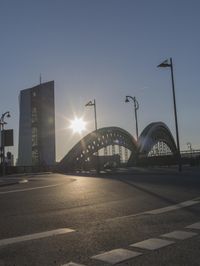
[37, 125]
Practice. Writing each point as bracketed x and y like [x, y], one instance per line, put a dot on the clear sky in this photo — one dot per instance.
[103, 49]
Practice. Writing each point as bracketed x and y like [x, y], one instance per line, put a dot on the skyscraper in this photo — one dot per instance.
[37, 125]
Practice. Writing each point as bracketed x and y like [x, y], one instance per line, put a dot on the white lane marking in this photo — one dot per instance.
[13, 240]
[152, 244]
[180, 235]
[180, 205]
[28, 189]
[23, 181]
[173, 207]
[72, 264]
[194, 226]
[116, 256]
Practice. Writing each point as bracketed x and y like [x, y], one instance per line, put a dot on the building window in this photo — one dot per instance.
[35, 157]
[34, 136]
[34, 115]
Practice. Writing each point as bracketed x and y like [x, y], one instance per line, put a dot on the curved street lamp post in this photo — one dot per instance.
[189, 144]
[136, 107]
[90, 103]
[170, 64]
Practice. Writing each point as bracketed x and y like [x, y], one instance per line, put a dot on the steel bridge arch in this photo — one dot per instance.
[95, 141]
[154, 132]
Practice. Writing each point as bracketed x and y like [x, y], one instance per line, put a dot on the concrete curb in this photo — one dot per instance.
[5, 183]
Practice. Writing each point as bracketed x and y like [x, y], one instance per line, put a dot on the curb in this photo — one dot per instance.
[5, 183]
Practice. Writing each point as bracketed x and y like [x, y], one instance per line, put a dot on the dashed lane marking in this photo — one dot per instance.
[173, 207]
[28, 189]
[13, 240]
[23, 181]
[178, 206]
[194, 226]
[72, 264]
[180, 235]
[116, 256]
[152, 244]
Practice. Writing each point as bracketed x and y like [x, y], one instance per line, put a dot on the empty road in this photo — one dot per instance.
[139, 218]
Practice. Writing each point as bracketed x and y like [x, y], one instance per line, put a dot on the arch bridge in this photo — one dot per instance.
[111, 144]
[84, 153]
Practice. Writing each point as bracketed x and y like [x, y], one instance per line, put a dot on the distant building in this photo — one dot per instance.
[37, 125]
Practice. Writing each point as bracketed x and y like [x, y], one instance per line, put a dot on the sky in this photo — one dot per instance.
[103, 50]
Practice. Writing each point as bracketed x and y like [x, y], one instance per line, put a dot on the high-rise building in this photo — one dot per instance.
[37, 125]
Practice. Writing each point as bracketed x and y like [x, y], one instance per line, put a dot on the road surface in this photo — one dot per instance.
[124, 218]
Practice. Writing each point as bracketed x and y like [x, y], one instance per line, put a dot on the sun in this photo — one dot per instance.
[78, 125]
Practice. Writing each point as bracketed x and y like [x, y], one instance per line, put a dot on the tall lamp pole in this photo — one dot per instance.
[136, 107]
[170, 64]
[189, 144]
[93, 103]
[2, 123]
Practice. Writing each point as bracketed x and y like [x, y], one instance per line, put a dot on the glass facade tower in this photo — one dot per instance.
[37, 125]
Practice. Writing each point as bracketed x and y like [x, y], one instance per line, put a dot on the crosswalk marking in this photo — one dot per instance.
[194, 226]
[180, 235]
[152, 244]
[116, 256]
[120, 255]
[13, 240]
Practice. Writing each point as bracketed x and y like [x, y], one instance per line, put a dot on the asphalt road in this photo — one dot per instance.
[54, 219]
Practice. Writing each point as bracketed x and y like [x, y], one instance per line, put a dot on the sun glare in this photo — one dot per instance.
[78, 125]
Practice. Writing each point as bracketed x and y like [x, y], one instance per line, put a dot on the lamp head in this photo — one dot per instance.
[126, 100]
[164, 64]
[8, 115]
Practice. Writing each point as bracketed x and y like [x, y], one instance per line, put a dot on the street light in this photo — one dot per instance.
[170, 64]
[2, 123]
[90, 103]
[189, 144]
[136, 107]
